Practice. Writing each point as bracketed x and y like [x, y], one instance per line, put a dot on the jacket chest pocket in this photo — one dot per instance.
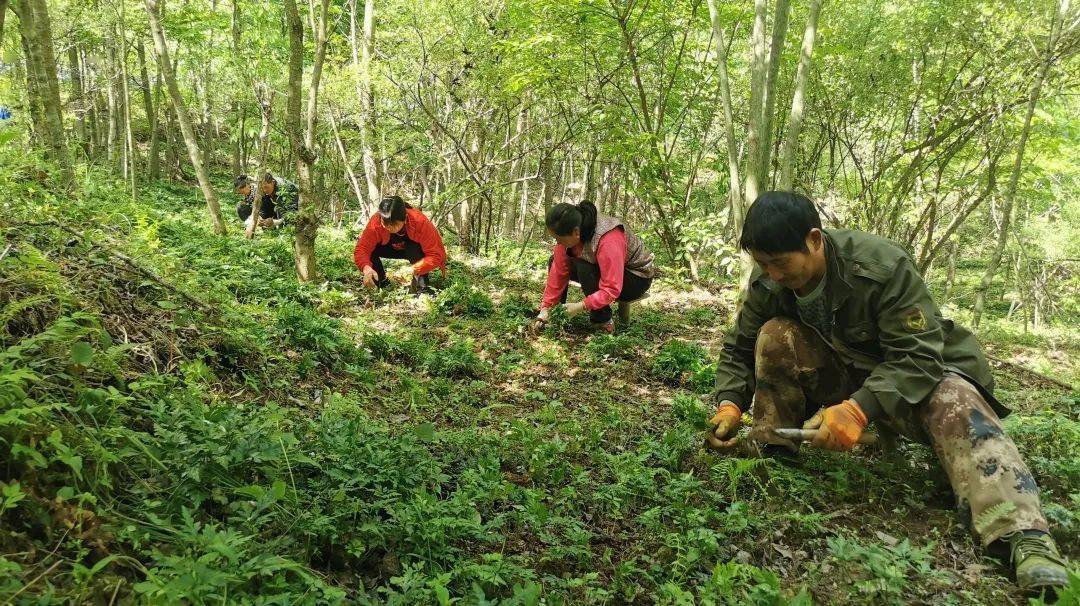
[861, 336]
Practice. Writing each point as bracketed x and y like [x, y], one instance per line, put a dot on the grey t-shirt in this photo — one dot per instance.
[814, 309]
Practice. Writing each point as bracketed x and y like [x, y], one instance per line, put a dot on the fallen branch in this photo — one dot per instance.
[1033, 373]
[128, 261]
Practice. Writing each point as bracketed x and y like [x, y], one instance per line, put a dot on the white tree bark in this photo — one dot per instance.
[776, 49]
[757, 95]
[798, 103]
[735, 190]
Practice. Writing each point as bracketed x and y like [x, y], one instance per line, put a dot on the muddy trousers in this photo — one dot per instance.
[797, 373]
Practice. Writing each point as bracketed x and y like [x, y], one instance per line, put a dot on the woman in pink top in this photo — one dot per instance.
[597, 251]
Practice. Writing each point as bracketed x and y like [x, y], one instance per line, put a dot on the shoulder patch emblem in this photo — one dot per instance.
[914, 320]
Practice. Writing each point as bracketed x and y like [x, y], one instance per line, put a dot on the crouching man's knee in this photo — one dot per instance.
[776, 341]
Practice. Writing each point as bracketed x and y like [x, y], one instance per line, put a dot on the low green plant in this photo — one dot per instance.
[314, 335]
[610, 347]
[517, 307]
[455, 359]
[383, 345]
[463, 299]
[884, 572]
[677, 360]
[557, 320]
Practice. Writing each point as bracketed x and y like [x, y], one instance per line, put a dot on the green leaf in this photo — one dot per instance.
[26, 452]
[75, 462]
[425, 431]
[166, 304]
[82, 353]
[277, 489]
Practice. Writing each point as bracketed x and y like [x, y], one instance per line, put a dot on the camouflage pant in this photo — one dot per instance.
[798, 373]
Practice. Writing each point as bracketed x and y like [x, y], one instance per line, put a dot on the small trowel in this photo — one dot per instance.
[806, 435]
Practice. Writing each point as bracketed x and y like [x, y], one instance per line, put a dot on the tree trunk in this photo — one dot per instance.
[304, 249]
[33, 86]
[738, 208]
[3, 15]
[94, 107]
[362, 51]
[153, 162]
[791, 139]
[349, 173]
[754, 136]
[112, 152]
[307, 220]
[266, 106]
[776, 49]
[518, 168]
[47, 84]
[165, 65]
[78, 95]
[1010, 193]
[237, 138]
[126, 90]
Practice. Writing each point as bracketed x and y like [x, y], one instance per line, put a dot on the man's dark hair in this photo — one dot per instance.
[241, 181]
[392, 209]
[268, 177]
[563, 218]
[778, 222]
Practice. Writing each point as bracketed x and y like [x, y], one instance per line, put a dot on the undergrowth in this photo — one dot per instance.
[227, 435]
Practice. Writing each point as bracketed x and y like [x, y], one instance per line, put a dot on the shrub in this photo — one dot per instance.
[517, 306]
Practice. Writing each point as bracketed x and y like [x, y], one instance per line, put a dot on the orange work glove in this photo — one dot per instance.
[839, 426]
[727, 420]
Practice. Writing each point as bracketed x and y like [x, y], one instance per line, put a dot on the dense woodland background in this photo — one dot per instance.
[949, 127]
[135, 315]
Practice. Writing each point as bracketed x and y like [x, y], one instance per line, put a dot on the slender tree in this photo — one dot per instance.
[776, 49]
[754, 136]
[36, 28]
[1060, 12]
[363, 47]
[307, 220]
[798, 103]
[165, 66]
[3, 15]
[734, 188]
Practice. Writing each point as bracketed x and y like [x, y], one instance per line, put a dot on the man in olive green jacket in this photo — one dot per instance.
[839, 329]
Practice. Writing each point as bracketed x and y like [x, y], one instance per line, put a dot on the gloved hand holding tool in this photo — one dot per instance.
[837, 427]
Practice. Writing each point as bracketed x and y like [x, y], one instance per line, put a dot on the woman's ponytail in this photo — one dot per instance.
[588, 219]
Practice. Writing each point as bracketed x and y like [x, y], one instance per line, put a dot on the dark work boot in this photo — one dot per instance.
[1038, 564]
[624, 312]
[419, 285]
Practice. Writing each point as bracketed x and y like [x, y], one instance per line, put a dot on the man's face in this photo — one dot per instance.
[794, 270]
[244, 190]
[570, 240]
[393, 226]
[268, 187]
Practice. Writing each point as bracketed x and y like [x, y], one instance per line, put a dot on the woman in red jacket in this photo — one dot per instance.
[399, 231]
[597, 251]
